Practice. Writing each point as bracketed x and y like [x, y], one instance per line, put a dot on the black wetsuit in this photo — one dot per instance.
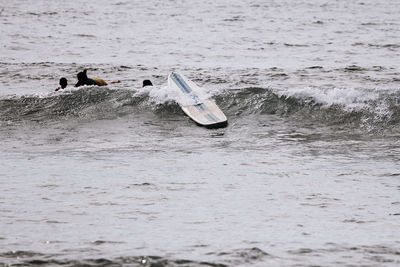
[87, 82]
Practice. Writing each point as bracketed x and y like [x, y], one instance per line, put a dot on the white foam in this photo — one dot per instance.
[348, 98]
[159, 94]
[164, 94]
[374, 101]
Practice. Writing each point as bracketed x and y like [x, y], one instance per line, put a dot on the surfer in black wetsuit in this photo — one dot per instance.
[84, 80]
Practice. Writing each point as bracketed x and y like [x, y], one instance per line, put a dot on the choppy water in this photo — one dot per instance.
[306, 173]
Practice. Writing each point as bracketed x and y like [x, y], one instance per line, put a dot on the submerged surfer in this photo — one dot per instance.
[84, 80]
[63, 84]
[147, 83]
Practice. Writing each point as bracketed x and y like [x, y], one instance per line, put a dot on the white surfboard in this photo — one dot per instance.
[203, 112]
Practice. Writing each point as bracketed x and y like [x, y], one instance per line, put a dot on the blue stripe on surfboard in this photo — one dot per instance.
[211, 117]
[201, 107]
[215, 117]
[185, 87]
[181, 83]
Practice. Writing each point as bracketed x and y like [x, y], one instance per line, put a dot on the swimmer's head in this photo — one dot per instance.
[147, 83]
[63, 82]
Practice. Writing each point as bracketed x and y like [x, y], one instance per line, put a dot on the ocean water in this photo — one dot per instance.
[305, 174]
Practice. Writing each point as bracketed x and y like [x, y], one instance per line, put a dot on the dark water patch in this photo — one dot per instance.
[369, 254]
[255, 48]
[370, 24]
[279, 75]
[120, 3]
[155, 261]
[318, 22]
[38, 14]
[391, 175]
[388, 46]
[125, 67]
[240, 257]
[23, 258]
[55, 222]
[51, 186]
[234, 19]
[142, 184]
[394, 46]
[380, 250]
[378, 46]
[20, 254]
[252, 254]
[358, 44]
[301, 251]
[315, 68]
[102, 242]
[354, 68]
[355, 221]
[295, 45]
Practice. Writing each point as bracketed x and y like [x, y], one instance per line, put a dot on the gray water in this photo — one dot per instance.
[306, 173]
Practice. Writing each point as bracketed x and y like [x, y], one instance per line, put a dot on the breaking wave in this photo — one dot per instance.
[88, 102]
[369, 109]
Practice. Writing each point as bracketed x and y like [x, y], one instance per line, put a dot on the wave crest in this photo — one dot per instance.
[370, 109]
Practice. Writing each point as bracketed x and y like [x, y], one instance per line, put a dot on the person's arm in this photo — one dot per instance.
[113, 81]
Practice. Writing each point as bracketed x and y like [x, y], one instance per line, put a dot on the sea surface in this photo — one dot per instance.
[307, 173]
